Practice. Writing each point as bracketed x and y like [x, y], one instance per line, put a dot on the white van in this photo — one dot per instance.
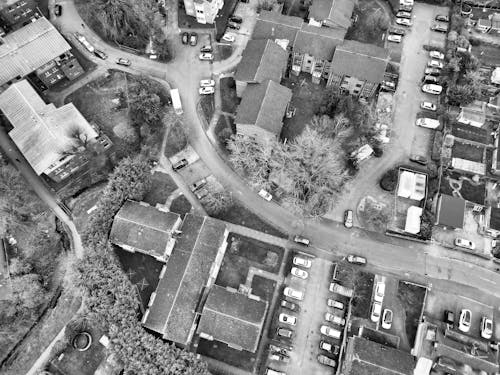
[432, 89]
[274, 372]
[429, 123]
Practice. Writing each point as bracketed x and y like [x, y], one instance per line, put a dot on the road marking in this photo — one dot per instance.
[473, 300]
[488, 280]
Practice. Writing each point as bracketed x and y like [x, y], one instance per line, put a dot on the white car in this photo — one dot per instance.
[465, 320]
[329, 317]
[435, 64]
[264, 194]
[436, 55]
[228, 38]
[207, 56]
[428, 106]
[376, 311]
[356, 259]
[293, 293]
[403, 21]
[486, 328]
[428, 123]
[298, 261]
[379, 292]
[387, 319]
[302, 240]
[433, 89]
[207, 83]
[395, 38]
[466, 244]
[206, 90]
[330, 332]
[300, 273]
[288, 319]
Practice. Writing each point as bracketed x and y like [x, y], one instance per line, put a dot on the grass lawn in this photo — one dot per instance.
[220, 351]
[82, 203]
[363, 287]
[228, 95]
[161, 188]
[225, 51]
[468, 152]
[223, 130]
[488, 54]
[362, 30]
[473, 193]
[176, 139]
[238, 214]
[263, 287]
[207, 106]
[306, 98]
[295, 8]
[180, 205]
[412, 299]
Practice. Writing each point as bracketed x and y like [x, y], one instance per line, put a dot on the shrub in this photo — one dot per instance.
[389, 180]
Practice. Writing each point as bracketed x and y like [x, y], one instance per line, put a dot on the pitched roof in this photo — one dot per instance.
[450, 211]
[364, 61]
[335, 12]
[30, 47]
[273, 25]
[41, 131]
[261, 60]
[233, 318]
[144, 228]
[365, 357]
[495, 218]
[264, 105]
[193, 261]
[319, 42]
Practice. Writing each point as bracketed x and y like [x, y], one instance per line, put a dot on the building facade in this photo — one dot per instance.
[205, 11]
[16, 14]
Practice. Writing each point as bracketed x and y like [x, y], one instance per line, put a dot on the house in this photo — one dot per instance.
[261, 60]
[29, 48]
[358, 68]
[493, 220]
[205, 11]
[450, 211]
[186, 278]
[262, 108]
[365, 357]
[278, 27]
[142, 228]
[473, 114]
[44, 134]
[495, 23]
[65, 66]
[5, 284]
[15, 14]
[483, 25]
[331, 13]
[233, 318]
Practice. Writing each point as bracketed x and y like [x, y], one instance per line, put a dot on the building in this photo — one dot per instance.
[331, 13]
[205, 11]
[233, 318]
[483, 25]
[358, 68]
[51, 139]
[450, 211]
[473, 114]
[65, 66]
[142, 228]
[261, 60]
[261, 111]
[186, 278]
[495, 23]
[15, 14]
[29, 48]
[365, 357]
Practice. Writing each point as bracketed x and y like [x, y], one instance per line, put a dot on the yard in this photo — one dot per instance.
[488, 54]
[180, 205]
[453, 183]
[412, 298]
[82, 203]
[225, 51]
[372, 22]
[295, 8]
[224, 129]
[228, 95]
[207, 105]
[176, 138]
[362, 283]
[162, 186]
[468, 152]
[263, 287]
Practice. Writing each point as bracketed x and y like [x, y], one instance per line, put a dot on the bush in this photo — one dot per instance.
[389, 180]
[436, 146]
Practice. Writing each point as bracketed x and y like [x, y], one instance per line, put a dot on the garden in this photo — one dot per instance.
[162, 186]
[412, 298]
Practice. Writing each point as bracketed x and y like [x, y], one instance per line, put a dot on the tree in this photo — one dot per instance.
[375, 24]
[462, 94]
[217, 202]
[146, 109]
[389, 180]
[329, 127]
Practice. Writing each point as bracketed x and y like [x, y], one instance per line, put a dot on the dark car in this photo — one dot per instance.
[193, 39]
[397, 31]
[185, 38]
[449, 317]
[180, 164]
[419, 159]
[442, 18]
[289, 305]
[233, 25]
[100, 54]
[236, 19]
[206, 48]
[432, 71]
[123, 61]
[431, 79]
[58, 9]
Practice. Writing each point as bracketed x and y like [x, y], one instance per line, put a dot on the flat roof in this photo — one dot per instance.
[450, 211]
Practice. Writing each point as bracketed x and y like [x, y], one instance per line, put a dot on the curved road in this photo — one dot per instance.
[426, 263]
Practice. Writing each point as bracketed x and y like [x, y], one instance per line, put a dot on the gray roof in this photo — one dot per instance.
[450, 211]
[143, 228]
[366, 62]
[183, 279]
[335, 12]
[319, 42]
[233, 318]
[261, 60]
[273, 25]
[365, 357]
[264, 105]
[30, 47]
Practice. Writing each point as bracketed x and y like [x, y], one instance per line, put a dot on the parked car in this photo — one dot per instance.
[58, 10]
[193, 39]
[233, 25]
[442, 18]
[376, 311]
[335, 304]
[431, 79]
[206, 56]
[287, 319]
[207, 83]
[465, 320]
[123, 61]
[439, 28]
[429, 106]
[356, 259]
[466, 244]
[84, 42]
[264, 194]
[387, 319]
[486, 328]
[206, 90]
[394, 38]
[397, 31]
[428, 123]
[206, 48]
[270, 371]
[180, 164]
[328, 347]
[289, 305]
[389, 85]
[100, 54]
[324, 360]
[302, 240]
[403, 14]
[279, 357]
[185, 38]
[435, 64]
[379, 292]
[228, 38]
[300, 273]
[342, 290]
[201, 193]
[284, 332]
[348, 216]
[302, 262]
[449, 317]
[436, 55]
[419, 159]
[293, 293]
[403, 21]
[278, 349]
[433, 89]
[236, 19]
[198, 184]
[432, 71]
[329, 317]
[330, 332]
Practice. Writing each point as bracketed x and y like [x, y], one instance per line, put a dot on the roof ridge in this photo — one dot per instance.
[261, 58]
[262, 101]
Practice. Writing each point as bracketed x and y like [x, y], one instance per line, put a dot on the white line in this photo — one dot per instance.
[488, 280]
[473, 300]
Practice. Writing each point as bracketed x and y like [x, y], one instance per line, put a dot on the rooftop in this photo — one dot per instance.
[140, 227]
[337, 13]
[233, 318]
[363, 61]
[319, 42]
[272, 25]
[495, 218]
[264, 105]
[450, 211]
[42, 132]
[193, 261]
[28, 48]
